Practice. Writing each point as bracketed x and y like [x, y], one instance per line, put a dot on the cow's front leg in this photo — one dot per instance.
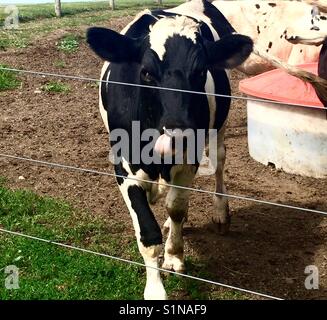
[221, 215]
[177, 207]
[148, 234]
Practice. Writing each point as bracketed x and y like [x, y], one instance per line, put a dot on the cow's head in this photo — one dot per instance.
[172, 55]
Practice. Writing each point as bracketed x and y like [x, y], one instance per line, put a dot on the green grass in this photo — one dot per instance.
[69, 43]
[38, 20]
[50, 272]
[41, 11]
[59, 64]
[8, 79]
[56, 87]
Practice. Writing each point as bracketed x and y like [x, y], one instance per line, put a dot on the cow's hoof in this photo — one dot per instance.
[155, 292]
[223, 226]
[174, 263]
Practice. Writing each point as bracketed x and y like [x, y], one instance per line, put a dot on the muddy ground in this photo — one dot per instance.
[268, 247]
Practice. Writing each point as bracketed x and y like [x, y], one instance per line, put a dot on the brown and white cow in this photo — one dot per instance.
[271, 24]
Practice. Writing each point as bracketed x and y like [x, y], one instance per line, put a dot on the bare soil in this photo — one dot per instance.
[267, 248]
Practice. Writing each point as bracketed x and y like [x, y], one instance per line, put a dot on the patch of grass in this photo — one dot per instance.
[50, 272]
[56, 87]
[38, 20]
[69, 43]
[12, 39]
[8, 79]
[60, 64]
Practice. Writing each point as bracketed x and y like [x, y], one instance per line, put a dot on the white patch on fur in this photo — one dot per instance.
[175, 240]
[210, 88]
[182, 175]
[103, 111]
[166, 28]
[195, 9]
[220, 203]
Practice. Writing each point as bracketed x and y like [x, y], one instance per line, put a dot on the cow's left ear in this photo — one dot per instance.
[230, 51]
[113, 46]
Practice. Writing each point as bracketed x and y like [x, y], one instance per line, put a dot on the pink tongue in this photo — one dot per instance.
[163, 145]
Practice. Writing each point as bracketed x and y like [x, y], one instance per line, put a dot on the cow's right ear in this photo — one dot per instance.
[112, 46]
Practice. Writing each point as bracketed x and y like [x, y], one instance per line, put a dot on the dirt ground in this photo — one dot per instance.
[268, 247]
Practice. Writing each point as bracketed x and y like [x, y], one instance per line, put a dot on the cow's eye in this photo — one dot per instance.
[147, 77]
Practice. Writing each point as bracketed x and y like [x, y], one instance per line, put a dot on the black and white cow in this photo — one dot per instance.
[186, 48]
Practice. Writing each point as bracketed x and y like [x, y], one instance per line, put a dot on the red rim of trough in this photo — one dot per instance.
[279, 86]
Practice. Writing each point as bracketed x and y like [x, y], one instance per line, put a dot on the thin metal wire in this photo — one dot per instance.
[62, 166]
[48, 74]
[151, 182]
[138, 264]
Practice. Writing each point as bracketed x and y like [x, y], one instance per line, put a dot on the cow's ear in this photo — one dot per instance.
[113, 46]
[230, 51]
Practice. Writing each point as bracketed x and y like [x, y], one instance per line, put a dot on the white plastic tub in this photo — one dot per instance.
[291, 138]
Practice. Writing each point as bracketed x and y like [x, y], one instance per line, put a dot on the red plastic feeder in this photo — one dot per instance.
[293, 138]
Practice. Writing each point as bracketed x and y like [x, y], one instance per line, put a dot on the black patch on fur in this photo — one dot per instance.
[223, 104]
[270, 45]
[140, 28]
[323, 18]
[112, 46]
[149, 229]
[121, 172]
[322, 68]
[218, 20]
[257, 6]
[258, 29]
[272, 4]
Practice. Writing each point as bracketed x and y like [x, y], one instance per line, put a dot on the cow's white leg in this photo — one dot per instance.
[166, 227]
[147, 232]
[221, 216]
[177, 207]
